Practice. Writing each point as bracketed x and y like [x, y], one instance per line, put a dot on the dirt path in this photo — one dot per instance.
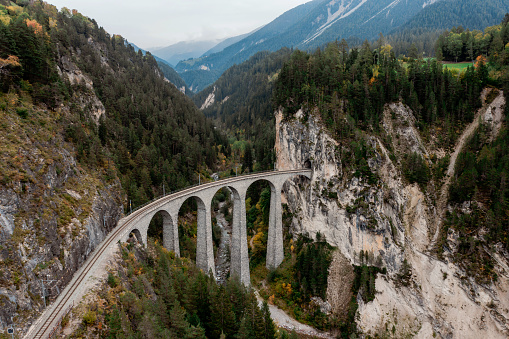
[281, 319]
[444, 192]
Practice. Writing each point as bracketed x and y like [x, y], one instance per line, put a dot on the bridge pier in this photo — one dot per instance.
[275, 251]
[239, 259]
[204, 247]
[170, 233]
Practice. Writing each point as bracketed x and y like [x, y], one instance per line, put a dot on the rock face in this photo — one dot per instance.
[53, 213]
[392, 221]
[86, 99]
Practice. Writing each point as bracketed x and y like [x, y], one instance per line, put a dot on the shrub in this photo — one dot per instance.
[90, 318]
[415, 169]
[22, 112]
[112, 280]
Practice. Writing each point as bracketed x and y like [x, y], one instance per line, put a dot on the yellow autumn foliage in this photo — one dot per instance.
[257, 239]
[12, 60]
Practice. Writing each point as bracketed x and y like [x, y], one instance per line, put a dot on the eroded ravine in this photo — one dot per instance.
[498, 102]
[222, 260]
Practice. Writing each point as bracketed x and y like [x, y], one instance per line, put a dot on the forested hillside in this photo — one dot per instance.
[155, 133]
[460, 45]
[152, 132]
[240, 103]
[366, 80]
[316, 23]
[93, 126]
[446, 14]
[420, 33]
[155, 295]
[173, 77]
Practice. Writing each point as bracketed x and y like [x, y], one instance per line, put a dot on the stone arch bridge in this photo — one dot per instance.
[170, 205]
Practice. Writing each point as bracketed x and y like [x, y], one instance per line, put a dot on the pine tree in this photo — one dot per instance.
[196, 332]
[245, 330]
[179, 327]
[270, 328]
[222, 319]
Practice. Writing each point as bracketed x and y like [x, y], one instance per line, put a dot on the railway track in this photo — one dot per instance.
[45, 326]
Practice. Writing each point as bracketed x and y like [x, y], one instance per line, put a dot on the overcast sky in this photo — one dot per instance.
[155, 23]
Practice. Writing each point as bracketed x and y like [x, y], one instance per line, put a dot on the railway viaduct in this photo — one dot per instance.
[138, 221]
[169, 207]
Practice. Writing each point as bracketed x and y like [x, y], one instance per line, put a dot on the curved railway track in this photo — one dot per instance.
[49, 320]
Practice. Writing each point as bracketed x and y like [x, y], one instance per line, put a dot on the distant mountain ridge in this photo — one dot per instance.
[225, 43]
[184, 50]
[169, 73]
[318, 22]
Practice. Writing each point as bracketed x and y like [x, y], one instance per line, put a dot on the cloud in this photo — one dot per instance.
[161, 23]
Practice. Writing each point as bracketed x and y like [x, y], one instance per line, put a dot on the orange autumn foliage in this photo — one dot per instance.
[481, 59]
[12, 60]
[271, 300]
[37, 27]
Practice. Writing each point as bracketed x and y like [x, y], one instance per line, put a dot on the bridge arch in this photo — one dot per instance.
[136, 235]
[239, 260]
[204, 247]
[275, 248]
[163, 225]
[203, 195]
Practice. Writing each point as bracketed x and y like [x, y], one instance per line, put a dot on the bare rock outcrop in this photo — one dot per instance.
[53, 213]
[393, 221]
[340, 281]
[86, 99]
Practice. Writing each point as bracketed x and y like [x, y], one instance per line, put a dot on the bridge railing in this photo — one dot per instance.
[196, 185]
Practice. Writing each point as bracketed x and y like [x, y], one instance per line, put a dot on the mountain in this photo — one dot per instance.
[318, 22]
[90, 125]
[184, 50]
[172, 76]
[169, 73]
[409, 170]
[240, 100]
[200, 72]
[227, 42]
[158, 59]
[470, 14]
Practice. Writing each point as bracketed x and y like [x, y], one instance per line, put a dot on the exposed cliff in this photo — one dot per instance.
[53, 211]
[394, 222]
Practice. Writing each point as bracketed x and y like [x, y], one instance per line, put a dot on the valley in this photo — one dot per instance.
[340, 172]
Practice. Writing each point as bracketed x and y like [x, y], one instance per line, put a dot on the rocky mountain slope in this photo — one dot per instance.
[53, 210]
[393, 223]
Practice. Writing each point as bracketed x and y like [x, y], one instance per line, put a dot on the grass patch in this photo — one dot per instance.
[458, 66]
